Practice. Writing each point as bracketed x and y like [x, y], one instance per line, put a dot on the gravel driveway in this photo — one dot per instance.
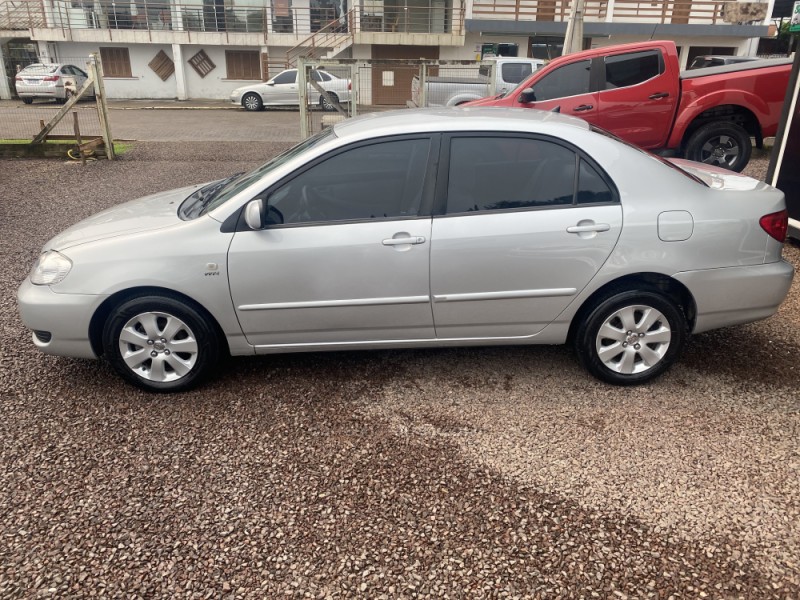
[499, 472]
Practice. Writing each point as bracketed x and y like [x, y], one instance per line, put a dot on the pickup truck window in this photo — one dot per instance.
[569, 80]
[623, 70]
[506, 173]
[516, 72]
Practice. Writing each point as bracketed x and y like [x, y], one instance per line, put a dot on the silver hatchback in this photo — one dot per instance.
[423, 228]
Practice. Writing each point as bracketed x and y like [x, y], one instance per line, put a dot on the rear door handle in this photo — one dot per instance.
[418, 239]
[596, 227]
[583, 107]
[659, 95]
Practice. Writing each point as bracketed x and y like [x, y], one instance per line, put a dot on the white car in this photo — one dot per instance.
[419, 228]
[49, 81]
[282, 90]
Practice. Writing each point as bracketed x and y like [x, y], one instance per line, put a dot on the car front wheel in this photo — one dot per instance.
[252, 102]
[631, 337]
[27, 100]
[160, 343]
[328, 105]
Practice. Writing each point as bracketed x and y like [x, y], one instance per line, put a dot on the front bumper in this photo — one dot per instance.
[65, 316]
[736, 295]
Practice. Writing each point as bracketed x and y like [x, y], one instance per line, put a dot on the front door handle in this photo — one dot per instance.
[417, 239]
[583, 107]
[593, 228]
[659, 95]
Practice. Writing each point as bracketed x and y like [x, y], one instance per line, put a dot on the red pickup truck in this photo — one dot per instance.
[637, 92]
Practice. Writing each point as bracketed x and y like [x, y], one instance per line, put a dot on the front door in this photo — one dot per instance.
[347, 258]
[567, 89]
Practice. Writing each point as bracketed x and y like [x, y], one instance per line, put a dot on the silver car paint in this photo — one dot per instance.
[734, 250]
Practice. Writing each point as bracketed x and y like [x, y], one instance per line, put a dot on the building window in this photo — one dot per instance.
[116, 62]
[202, 64]
[243, 64]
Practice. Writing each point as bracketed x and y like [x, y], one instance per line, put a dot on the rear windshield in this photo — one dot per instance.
[663, 161]
[39, 69]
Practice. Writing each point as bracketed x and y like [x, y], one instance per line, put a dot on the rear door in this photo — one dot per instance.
[638, 97]
[524, 224]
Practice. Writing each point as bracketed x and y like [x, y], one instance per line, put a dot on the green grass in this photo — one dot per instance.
[119, 147]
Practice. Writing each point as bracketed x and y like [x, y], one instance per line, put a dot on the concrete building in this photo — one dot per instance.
[206, 48]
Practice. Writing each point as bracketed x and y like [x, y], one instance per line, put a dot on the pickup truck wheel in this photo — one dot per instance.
[722, 144]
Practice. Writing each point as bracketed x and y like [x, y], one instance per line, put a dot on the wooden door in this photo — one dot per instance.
[391, 83]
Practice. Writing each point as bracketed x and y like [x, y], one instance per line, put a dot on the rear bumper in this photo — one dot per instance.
[736, 295]
[65, 317]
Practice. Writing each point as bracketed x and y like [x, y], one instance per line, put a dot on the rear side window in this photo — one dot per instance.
[592, 188]
[516, 72]
[625, 70]
[506, 173]
[569, 80]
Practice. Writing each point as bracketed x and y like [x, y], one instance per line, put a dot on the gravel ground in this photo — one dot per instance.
[447, 473]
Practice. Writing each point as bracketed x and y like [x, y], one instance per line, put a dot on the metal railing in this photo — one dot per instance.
[336, 33]
[270, 18]
[658, 11]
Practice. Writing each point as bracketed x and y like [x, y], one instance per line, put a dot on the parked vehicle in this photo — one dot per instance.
[701, 62]
[282, 90]
[453, 91]
[421, 228]
[53, 81]
[638, 92]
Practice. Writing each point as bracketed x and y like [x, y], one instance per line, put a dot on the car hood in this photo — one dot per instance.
[145, 214]
[718, 178]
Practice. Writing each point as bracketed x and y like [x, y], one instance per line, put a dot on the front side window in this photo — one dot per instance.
[625, 70]
[569, 80]
[506, 173]
[376, 181]
[285, 77]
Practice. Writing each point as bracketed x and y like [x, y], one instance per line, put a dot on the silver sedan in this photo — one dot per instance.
[420, 228]
[282, 90]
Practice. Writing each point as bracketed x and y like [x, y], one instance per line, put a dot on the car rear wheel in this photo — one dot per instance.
[328, 105]
[160, 343]
[631, 337]
[252, 102]
[721, 144]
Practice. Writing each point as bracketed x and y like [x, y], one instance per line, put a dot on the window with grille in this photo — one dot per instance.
[116, 62]
[243, 64]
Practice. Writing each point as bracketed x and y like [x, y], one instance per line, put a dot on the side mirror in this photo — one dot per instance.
[526, 95]
[270, 83]
[254, 214]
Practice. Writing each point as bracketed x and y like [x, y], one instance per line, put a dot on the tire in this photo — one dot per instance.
[252, 102]
[325, 105]
[722, 144]
[160, 344]
[61, 100]
[27, 100]
[631, 337]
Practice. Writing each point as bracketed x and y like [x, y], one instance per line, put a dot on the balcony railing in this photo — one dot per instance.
[271, 17]
[661, 11]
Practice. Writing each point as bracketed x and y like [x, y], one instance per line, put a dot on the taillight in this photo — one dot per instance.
[17, 78]
[51, 78]
[349, 85]
[776, 224]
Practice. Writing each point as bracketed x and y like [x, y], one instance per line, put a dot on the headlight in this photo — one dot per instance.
[51, 268]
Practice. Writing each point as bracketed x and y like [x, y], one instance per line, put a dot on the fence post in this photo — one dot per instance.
[423, 85]
[96, 69]
[302, 88]
[355, 88]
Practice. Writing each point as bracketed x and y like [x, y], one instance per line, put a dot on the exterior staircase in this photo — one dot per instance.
[328, 42]
[21, 14]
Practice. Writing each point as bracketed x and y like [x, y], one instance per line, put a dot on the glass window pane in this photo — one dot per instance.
[591, 187]
[569, 80]
[286, 77]
[516, 72]
[631, 69]
[508, 173]
[378, 181]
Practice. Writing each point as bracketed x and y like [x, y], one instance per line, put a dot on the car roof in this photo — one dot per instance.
[421, 120]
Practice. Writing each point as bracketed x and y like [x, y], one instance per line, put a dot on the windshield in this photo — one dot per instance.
[663, 161]
[217, 193]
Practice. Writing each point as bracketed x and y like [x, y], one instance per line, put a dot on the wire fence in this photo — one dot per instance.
[359, 86]
[40, 90]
